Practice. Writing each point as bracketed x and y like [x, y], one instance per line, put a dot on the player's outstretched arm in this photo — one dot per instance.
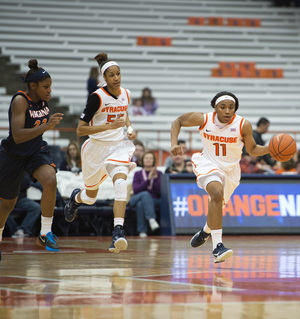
[186, 120]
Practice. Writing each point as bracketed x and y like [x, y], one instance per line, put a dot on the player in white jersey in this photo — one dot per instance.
[105, 153]
[223, 135]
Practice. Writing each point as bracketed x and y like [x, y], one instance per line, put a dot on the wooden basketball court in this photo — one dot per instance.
[157, 277]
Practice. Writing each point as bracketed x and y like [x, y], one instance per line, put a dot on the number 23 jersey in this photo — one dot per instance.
[223, 146]
[36, 114]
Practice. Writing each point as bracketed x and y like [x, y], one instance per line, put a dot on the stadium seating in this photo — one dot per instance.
[65, 36]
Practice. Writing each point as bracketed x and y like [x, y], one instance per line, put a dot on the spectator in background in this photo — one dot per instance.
[149, 103]
[189, 166]
[288, 167]
[262, 127]
[138, 153]
[252, 165]
[137, 108]
[178, 165]
[146, 198]
[72, 160]
[92, 83]
[297, 156]
[32, 208]
[169, 160]
[298, 167]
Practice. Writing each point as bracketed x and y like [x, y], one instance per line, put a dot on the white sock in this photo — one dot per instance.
[152, 220]
[207, 229]
[118, 221]
[46, 224]
[216, 236]
[1, 231]
[153, 224]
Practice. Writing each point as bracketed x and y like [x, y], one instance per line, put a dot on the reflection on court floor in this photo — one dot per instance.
[157, 277]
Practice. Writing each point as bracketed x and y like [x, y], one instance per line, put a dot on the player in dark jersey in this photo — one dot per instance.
[25, 151]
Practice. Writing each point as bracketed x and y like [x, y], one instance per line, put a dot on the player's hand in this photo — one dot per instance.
[54, 120]
[130, 133]
[118, 122]
[131, 136]
[176, 150]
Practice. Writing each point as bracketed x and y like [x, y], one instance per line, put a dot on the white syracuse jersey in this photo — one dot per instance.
[222, 146]
[108, 110]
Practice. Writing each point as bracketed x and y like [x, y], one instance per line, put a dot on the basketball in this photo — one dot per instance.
[282, 147]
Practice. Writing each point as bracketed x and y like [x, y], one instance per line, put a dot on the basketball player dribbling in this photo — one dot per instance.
[223, 134]
[24, 150]
[105, 153]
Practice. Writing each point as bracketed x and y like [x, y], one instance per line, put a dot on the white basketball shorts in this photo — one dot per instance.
[204, 168]
[95, 155]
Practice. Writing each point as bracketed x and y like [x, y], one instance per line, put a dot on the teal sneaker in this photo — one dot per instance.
[48, 242]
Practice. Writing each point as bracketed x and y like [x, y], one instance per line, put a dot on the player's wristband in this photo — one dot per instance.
[129, 130]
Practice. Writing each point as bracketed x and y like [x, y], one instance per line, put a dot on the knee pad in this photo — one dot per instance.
[112, 170]
[86, 199]
[120, 187]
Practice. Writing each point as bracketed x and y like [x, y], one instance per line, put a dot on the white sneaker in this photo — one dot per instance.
[143, 235]
[19, 233]
[153, 224]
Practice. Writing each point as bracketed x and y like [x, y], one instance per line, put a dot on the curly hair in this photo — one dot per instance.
[213, 101]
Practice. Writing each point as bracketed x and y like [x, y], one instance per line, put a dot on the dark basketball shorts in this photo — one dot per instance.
[13, 167]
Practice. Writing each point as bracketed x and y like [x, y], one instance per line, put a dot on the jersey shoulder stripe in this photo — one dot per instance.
[205, 122]
[100, 102]
[241, 126]
[128, 98]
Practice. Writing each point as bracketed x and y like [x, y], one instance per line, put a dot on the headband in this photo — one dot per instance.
[224, 97]
[35, 76]
[107, 65]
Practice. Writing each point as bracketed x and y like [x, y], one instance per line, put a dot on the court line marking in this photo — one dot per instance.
[188, 284]
[216, 271]
[41, 252]
[132, 278]
[189, 304]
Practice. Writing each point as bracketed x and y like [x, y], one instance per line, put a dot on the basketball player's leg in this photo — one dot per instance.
[213, 184]
[215, 205]
[118, 173]
[214, 223]
[46, 175]
[11, 175]
[92, 178]
[6, 206]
